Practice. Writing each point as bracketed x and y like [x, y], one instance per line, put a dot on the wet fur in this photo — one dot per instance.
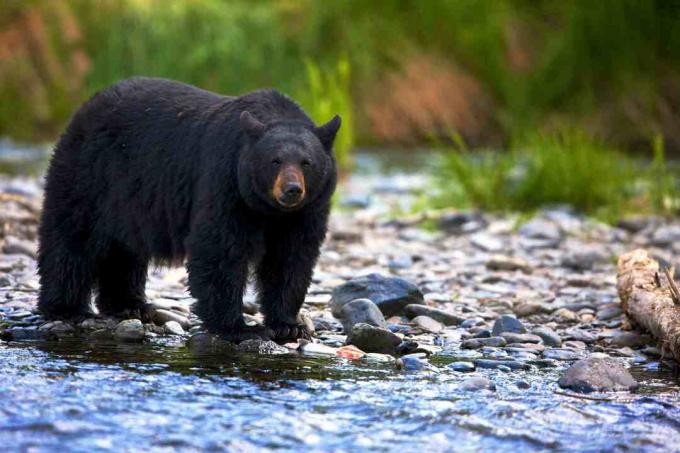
[149, 170]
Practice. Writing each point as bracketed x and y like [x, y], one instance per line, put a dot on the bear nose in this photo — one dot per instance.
[293, 189]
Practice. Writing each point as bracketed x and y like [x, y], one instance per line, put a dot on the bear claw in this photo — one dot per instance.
[289, 332]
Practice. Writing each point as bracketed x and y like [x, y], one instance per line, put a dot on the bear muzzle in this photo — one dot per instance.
[289, 187]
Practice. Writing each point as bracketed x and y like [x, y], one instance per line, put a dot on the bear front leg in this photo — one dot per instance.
[218, 272]
[285, 272]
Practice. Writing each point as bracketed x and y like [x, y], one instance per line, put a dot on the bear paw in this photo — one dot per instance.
[246, 333]
[282, 332]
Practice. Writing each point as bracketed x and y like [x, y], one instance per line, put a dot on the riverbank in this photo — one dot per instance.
[503, 303]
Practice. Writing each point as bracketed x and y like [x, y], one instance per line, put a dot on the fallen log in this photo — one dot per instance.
[648, 298]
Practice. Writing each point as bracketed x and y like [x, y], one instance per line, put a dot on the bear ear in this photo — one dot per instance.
[253, 126]
[328, 131]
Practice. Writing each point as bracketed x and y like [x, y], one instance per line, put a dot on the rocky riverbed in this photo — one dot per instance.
[485, 300]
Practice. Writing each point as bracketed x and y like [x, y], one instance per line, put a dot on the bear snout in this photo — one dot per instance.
[289, 187]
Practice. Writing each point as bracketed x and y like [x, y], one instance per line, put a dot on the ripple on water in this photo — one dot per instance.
[114, 397]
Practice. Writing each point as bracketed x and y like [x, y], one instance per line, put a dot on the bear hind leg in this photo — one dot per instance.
[121, 279]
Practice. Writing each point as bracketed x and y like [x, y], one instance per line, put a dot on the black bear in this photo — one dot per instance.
[156, 170]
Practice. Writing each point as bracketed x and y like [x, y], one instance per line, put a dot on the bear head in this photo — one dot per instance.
[287, 164]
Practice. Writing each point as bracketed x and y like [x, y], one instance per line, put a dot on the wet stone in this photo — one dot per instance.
[508, 263]
[476, 384]
[369, 338]
[427, 324]
[512, 337]
[414, 362]
[597, 374]
[610, 312]
[361, 311]
[476, 343]
[561, 354]
[580, 335]
[508, 323]
[549, 336]
[510, 364]
[173, 328]
[267, 347]
[463, 367]
[130, 330]
[444, 317]
[390, 294]
[630, 339]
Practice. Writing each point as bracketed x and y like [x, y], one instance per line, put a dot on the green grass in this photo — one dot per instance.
[563, 168]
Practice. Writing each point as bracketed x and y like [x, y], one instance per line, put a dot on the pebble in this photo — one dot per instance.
[597, 374]
[507, 323]
[130, 330]
[476, 343]
[463, 367]
[539, 228]
[630, 339]
[512, 337]
[427, 324]
[162, 316]
[509, 364]
[414, 362]
[508, 263]
[373, 357]
[361, 311]
[561, 354]
[549, 336]
[444, 317]
[580, 335]
[476, 384]
[369, 338]
[318, 349]
[266, 347]
[173, 328]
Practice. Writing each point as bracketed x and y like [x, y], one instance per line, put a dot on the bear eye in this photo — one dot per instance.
[306, 163]
[276, 161]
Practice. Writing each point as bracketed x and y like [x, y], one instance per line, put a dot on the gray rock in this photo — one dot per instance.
[561, 354]
[369, 338]
[510, 364]
[463, 367]
[414, 362]
[27, 333]
[507, 323]
[583, 259]
[487, 242]
[527, 308]
[160, 317]
[130, 330]
[539, 228]
[512, 337]
[261, 347]
[390, 294]
[476, 343]
[361, 311]
[14, 245]
[173, 328]
[597, 374]
[444, 317]
[549, 336]
[507, 263]
[666, 236]
[609, 312]
[462, 222]
[580, 335]
[630, 339]
[476, 384]
[428, 324]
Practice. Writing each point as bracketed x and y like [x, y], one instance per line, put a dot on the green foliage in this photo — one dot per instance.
[563, 168]
[327, 94]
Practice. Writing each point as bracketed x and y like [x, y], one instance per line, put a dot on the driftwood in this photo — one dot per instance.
[650, 298]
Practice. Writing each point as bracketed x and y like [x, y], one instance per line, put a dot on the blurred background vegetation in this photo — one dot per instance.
[577, 90]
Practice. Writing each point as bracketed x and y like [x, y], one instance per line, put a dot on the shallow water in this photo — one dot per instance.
[83, 396]
[90, 396]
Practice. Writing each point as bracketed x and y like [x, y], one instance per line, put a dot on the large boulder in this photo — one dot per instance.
[390, 294]
[596, 374]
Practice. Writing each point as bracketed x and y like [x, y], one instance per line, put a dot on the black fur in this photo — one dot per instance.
[155, 170]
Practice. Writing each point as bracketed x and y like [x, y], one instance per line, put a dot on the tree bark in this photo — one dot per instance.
[646, 298]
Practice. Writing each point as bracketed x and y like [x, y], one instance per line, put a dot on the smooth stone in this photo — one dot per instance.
[630, 339]
[471, 322]
[510, 364]
[173, 328]
[476, 384]
[205, 342]
[597, 374]
[444, 317]
[390, 294]
[607, 313]
[463, 367]
[487, 242]
[476, 343]
[538, 228]
[370, 338]
[512, 337]
[507, 323]
[361, 311]
[580, 335]
[507, 263]
[427, 324]
[373, 357]
[414, 362]
[666, 236]
[256, 346]
[528, 308]
[482, 333]
[462, 222]
[13, 245]
[161, 316]
[535, 347]
[130, 330]
[26, 333]
[582, 260]
[561, 354]
[318, 349]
